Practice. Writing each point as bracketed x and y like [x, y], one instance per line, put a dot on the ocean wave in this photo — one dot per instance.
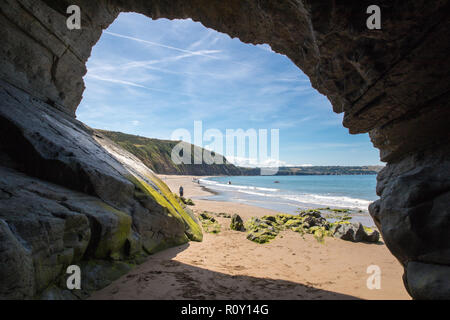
[330, 201]
[237, 187]
[316, 199]
[322, 200]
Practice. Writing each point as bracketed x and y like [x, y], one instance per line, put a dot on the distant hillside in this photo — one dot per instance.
[318, 170]
[156, 154]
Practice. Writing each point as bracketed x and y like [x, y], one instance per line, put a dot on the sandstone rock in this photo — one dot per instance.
[236, 223]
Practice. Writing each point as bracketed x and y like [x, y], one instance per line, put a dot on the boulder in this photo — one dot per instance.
[236, 223]
[350, 232]
[355, 232]
[372, 235]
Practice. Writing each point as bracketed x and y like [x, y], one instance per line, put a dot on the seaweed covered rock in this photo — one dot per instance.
[266, 228]
[262, 230]
[313, 218]
[209, 223]
[372, 235]
[224, 215]
[236, 223]
[262, 235]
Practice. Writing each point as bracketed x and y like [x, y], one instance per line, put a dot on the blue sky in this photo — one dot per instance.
[151, 77]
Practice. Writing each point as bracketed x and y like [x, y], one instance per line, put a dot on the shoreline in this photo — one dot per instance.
[281, 204]
[228, 266]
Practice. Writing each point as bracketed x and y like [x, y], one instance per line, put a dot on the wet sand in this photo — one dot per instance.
[228, 266]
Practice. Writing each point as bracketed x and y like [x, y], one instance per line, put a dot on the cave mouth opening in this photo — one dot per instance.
[152, 77]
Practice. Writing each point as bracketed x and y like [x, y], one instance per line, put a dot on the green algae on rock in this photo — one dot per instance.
[209, 223]
[165, 198]
[266, 228]
[236, 223]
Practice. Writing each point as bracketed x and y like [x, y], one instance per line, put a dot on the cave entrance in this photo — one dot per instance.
[149, 78]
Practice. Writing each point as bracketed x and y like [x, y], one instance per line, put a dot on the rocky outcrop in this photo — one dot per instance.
[70, 196]
[393, 83]
[355, 232]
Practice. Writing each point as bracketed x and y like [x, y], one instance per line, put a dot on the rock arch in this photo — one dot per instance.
[393, 83]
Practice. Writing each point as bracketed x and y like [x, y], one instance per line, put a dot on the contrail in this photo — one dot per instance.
[133, 84]
[163, 45]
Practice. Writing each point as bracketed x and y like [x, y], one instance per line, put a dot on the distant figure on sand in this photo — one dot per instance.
[181, 191]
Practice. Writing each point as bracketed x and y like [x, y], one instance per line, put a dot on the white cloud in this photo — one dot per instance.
[133, 84]
[256, 163]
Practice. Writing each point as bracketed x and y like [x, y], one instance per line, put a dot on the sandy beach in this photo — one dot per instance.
[228, 266]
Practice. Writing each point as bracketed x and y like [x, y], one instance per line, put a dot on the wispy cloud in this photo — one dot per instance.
[129, 83]
[199, 53]
[150, 77]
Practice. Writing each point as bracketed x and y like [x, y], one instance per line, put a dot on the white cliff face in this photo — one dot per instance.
[393, 83]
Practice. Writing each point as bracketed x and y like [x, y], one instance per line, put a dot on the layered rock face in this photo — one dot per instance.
[393, 83]
[71, 196]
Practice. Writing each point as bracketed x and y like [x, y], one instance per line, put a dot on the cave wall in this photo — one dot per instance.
[393, 83]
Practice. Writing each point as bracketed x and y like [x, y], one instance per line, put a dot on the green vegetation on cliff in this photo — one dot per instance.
[156, 154]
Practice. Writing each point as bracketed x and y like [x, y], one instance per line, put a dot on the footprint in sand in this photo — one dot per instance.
[239, 268]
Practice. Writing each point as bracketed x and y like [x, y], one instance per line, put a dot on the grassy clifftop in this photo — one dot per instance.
[156, 154]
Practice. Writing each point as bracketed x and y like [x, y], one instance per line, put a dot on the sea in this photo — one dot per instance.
[288, 194]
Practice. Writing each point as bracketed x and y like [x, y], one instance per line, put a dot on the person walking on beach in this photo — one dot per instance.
[181, 191]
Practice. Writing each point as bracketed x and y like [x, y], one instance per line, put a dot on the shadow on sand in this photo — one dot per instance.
[161, 277]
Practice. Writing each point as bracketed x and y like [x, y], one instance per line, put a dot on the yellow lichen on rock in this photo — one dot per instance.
[164, 197]
[111, 246]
